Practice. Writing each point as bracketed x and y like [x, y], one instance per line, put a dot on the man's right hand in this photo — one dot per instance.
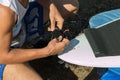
[56, 47]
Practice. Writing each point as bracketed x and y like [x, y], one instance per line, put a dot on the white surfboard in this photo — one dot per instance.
[79, 52]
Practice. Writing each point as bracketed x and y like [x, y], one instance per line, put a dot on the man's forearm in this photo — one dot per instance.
[23, 55]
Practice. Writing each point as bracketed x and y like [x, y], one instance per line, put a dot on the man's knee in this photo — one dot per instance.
[74, 6]
[71, 5]
[20, 72]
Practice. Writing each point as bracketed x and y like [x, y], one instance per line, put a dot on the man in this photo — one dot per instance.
[12, 58]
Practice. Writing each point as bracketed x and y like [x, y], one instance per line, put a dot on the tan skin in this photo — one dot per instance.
[15, 58]
[54, 14]
[10, 56]
[65, 9]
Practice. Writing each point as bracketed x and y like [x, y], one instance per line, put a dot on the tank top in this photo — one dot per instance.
[17, 7]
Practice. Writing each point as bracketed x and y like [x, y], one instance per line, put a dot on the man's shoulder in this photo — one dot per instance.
[7, 17]
[6, 11]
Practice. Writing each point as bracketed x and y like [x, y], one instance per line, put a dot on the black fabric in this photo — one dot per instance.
[49, 35]
[105, 41]
[70, 30]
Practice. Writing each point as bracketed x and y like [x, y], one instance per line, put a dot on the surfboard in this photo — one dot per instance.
[79, 52]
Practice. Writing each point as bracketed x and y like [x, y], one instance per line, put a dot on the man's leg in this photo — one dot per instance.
[20, 72]
[66, 8]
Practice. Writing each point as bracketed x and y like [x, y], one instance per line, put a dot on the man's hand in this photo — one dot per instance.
[56, 47]
[55, 17]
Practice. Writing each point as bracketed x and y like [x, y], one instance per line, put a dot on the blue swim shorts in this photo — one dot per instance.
[2, 66]
[34, 25]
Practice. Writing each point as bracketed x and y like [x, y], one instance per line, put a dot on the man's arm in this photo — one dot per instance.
[7, 55]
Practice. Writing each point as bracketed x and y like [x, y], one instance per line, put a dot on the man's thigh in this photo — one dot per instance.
[20, 72]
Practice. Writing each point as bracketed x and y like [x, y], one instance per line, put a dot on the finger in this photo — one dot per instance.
[54, 40]
[60, 38]
[52, 26]
[66, 41]
[60, 23]
[49, 29]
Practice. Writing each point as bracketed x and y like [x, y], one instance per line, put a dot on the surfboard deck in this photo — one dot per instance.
[79, 52]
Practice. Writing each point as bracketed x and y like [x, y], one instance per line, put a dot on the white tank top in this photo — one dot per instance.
[19, 10]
